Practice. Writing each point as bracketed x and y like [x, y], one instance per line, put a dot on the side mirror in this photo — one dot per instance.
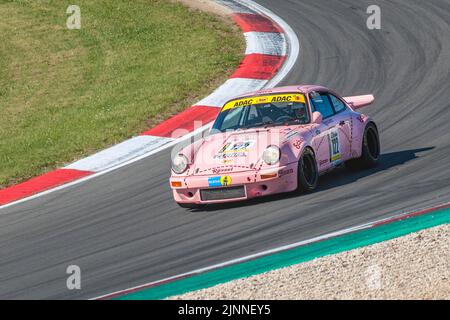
[316, 117]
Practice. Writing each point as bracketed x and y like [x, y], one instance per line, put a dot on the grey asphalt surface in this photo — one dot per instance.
[123, 229]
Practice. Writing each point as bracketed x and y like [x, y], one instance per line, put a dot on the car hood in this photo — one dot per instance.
[236, 151]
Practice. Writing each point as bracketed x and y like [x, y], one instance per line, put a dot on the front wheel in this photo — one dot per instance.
[370, 150]
[308, 175]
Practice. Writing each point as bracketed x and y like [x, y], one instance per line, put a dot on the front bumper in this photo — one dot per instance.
[254, 183]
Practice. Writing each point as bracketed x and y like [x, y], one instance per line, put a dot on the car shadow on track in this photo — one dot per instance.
[336, 178]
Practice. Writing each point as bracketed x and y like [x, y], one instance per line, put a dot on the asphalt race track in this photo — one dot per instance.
[123, 228]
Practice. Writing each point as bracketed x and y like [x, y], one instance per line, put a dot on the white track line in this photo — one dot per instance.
[270, 251]
[234, 261]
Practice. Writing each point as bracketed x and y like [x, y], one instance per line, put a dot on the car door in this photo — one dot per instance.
[326, 136]
[342, 122]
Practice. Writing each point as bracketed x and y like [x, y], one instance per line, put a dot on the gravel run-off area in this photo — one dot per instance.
[415, 266]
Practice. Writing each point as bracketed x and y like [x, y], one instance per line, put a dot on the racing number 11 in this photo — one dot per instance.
[335, 153]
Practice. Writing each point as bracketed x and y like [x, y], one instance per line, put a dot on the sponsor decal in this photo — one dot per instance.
[323, 162]
[234, 149]
[264, 99]
[297, 143]
[219, 170]
[335, 148]
[290, 135]
[284, 172]
[219, 181]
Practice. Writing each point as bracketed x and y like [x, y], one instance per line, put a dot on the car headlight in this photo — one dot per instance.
[271, 155]
[179, 163]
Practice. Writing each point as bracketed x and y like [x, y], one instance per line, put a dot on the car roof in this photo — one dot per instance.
[296, 88]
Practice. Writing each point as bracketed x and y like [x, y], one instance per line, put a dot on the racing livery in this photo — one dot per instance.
[272, 141]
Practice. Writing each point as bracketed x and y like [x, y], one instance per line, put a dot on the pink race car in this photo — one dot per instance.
[273, 141]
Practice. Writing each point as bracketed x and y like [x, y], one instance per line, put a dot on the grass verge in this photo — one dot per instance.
[67, 93]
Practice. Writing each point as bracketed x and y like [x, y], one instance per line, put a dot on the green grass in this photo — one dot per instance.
[67, 93]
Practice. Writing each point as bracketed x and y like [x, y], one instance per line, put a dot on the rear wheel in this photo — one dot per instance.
[308, 175]
[370, 150]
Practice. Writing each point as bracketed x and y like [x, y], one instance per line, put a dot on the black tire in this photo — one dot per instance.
[308, 174]
[188, 205]
[370, 150]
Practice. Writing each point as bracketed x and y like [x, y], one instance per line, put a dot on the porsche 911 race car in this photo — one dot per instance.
[273, 141]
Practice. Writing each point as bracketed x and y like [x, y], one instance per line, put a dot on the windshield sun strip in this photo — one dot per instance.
[248, 101]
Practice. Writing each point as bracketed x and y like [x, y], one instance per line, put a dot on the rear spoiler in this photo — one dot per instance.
[357, 102]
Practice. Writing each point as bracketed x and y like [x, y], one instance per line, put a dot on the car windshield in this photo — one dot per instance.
[262, 111]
